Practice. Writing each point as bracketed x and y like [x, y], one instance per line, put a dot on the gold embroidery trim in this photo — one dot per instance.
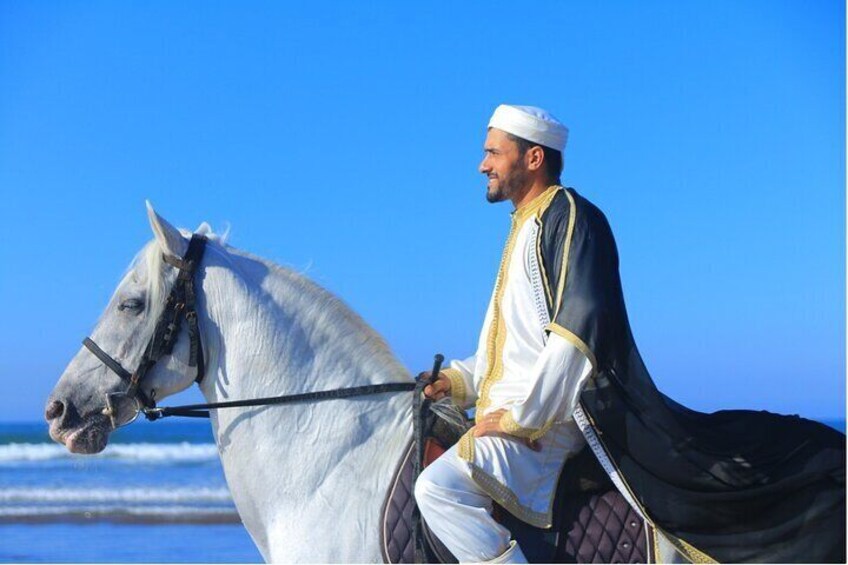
[549, 197]
[693, 554]
[506, 498]
[457, 381]
[502, 494]
[513, 428]
[538, 204]
[497, 329]
[466, 446]
[575, 341]
[563, 271]
[656, 544]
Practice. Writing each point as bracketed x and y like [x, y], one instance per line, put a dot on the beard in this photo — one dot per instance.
[510, 184]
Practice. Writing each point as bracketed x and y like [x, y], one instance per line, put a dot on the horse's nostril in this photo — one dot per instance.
[54, 410]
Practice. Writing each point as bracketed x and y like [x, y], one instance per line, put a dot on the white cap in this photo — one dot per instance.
[532, 124]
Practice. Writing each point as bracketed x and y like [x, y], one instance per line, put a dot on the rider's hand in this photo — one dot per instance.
[437, 390]
[490, 425]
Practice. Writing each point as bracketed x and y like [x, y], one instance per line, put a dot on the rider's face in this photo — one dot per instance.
[504, 166]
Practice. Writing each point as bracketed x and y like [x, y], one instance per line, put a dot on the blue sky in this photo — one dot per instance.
[342, 139]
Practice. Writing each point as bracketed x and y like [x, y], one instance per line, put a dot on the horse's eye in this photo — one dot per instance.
[134, 305]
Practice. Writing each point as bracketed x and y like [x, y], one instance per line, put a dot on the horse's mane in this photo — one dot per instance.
[325, 310]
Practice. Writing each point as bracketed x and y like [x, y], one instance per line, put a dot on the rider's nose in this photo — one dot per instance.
[54, 410]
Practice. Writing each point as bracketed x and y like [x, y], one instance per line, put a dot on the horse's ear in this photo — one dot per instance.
[203, 229]
[169, 238]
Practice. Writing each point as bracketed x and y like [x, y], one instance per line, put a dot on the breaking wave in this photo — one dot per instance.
[125, 515]
[150, 495]
[147, 453]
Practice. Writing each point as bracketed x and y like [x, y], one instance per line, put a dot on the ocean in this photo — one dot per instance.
[156, 495]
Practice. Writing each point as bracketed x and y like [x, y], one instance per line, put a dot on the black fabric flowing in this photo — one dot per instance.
[737, 485]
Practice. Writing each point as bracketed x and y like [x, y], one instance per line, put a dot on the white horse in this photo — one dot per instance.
[307, 479]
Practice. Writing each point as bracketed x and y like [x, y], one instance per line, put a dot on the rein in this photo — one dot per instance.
[181, 305]
[202, 410]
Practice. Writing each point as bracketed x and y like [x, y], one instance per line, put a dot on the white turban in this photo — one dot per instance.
[532, 124]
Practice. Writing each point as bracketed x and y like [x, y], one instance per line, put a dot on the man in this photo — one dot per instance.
[526, 375]
[556, 363]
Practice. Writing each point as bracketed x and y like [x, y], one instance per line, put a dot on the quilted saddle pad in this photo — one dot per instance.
[592, 527]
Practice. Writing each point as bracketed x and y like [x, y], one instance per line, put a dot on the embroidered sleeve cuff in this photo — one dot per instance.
[513, 428]
[457, 392]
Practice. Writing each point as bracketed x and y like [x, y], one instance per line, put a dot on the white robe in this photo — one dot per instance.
[536, 376]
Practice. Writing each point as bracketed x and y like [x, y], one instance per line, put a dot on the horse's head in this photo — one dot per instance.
[77, 408]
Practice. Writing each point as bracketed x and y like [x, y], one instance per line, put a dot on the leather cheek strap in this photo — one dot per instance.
[107, 360]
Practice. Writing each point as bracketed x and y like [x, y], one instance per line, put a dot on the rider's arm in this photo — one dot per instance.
[556, 378]
[580, 258]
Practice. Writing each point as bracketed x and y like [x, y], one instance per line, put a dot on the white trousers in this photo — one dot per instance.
[460, 513]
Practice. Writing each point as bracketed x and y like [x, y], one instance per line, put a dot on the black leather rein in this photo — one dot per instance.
[202, 410]
[181, 305]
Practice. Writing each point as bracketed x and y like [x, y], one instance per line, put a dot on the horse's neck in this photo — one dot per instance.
[308, 472]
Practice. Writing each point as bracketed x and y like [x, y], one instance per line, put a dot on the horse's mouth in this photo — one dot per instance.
[89, 438]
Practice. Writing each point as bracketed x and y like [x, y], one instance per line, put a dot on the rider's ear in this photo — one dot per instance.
[168, 237]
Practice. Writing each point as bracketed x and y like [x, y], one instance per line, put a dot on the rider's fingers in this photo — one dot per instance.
[441, 384]
[438, 389]
[434, 392]
[487, 427]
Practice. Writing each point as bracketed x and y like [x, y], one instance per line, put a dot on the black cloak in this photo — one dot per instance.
[730, 486]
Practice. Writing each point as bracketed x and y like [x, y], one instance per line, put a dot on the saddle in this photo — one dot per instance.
[593, 523]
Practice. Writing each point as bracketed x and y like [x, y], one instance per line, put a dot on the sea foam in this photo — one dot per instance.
[148, 453]
[127, 515]
[148, 495]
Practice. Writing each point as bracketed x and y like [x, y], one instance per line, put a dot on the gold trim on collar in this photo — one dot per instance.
[538, 204]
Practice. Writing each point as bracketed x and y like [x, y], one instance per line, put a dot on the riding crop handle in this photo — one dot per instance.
[421, 426]
[437, 366]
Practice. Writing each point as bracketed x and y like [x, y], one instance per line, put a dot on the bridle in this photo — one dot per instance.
[181, 305]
